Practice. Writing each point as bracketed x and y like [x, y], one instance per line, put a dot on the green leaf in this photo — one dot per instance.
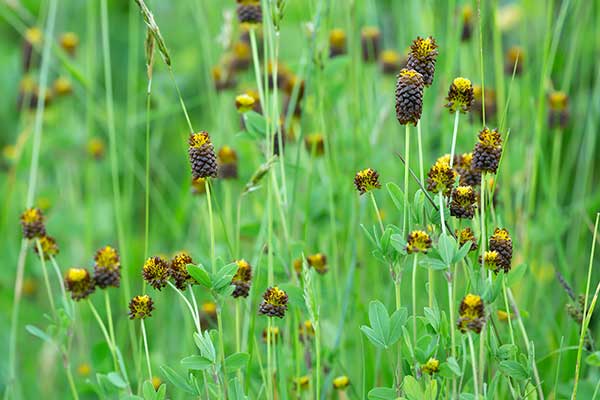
[462, 252]
[380, 320]
[373, 337]
[205, 344]
[177, 380]
[222, 278]
[236, 391]
[199, 274]
[432, 318]
[506, 351]
[447, 248]
[412, 389]
[593, 359]
[396, 194]
[116, 379]
[515, 275]
[398, 242]
[196, 362]
[397, 321]
[236, 361]
[433, 263]
[450, 368]
[256, 124]
[148, 391]
[382, 393]
[37, 332]
[513, 369]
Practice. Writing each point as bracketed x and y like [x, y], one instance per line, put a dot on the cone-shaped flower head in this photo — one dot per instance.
[242, 279]
[432, 366]
[274, 303]
[366, 180]
[422, 57]
[244, 102]
[249, 12]
[418, 242]
[492, 260]
[463, 202]
[501, 242]
[460, 95]
[32, 223]
[79, 283]
[466, 235]
[156, 272]
[178, 270]
[391, 62]
[341, 382]
[468, 175]
[440, 177]
[107, 267]
[275, 335]
[488, 150]
[227, 160]
[471, 314]
[202, 156]
[69, 42]
[558, 112]
[370, 43]
[337, 42]
[141, 307]
[409, 96]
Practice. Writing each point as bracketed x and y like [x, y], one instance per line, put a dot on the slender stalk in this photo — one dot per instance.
[71, 383]
[221, 346]
[475, 376]
[211, 226]
[397, 281]
[414, 298]
[406, 168]
[46, 279]
[420, 145]
[482, 217]
[585, 310]
[194, 317]
[12, 351]
[372, 195]
[454, 132]
[269, 366]
[145, 337]
[110, 344]
[147, 172]
[111, 328]
[450, 279]
[508, 313]
[183, 107]
[255, 61]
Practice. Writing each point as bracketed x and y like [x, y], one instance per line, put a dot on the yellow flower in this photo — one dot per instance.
[341, 382]
[418, 242]
[366, 180]
[431, 367]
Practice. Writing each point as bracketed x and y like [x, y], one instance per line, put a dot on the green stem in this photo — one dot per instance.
[475, 376]
[454, 132]
[482, 217]
[144, 336]
[111, 328]
[372, 195]
[196, 321]
[420, 145]
[46, 279]
[147, 173]
[508, 313]
[452, 325]
[269, 366]
[222, 347]
[211, 226]
[406, 168]
[110, 344]
[414, 298]
[71, 383]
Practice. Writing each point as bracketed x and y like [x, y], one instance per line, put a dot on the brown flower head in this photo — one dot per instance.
[96, 148]
[418, 242]
[440, 177]
[501, 242]
[107, 267]
[244, 102]
[463, 202]
[488, 150]
[466, 235]
[471, 314]
[79, 283]
[274, 303]
[558, 113]
[249, 12]
[467, 20]
[337, 42]
[69, 42]
[242, 279]
[491, 260]
[432, 366]
[366, 180]
[32, 223]
[460, 95]
[62, 86]
[468, 176]
[156, 272]
[202, 156]
[514, 56]
[228, 163]
[422, 57]
[141, 307]
[318, 261]
[370, 41]
[178, 270]
[409, 96]
[49, 247]
[391, 62]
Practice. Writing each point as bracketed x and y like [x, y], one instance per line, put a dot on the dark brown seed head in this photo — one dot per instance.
[471, 314]
[79, 283]
[242, 279]
[69, 42]
[318, 261]
[501, 242]
[422, 57]
[514, 57]
[228, 163]
[490, 103]
[337, 42]
[558, 112]
[409, 96]
[202, 156]
[315, 144]
[156, 272]
[467, 21]
[463, 202]
[32, 223]
[468, 176]
[366, 180]
[391, 62]
[488, 150]
[178, 270]
[274, 303]
[107, 267]
[370, 41]
[249, 12]
[141, 307]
